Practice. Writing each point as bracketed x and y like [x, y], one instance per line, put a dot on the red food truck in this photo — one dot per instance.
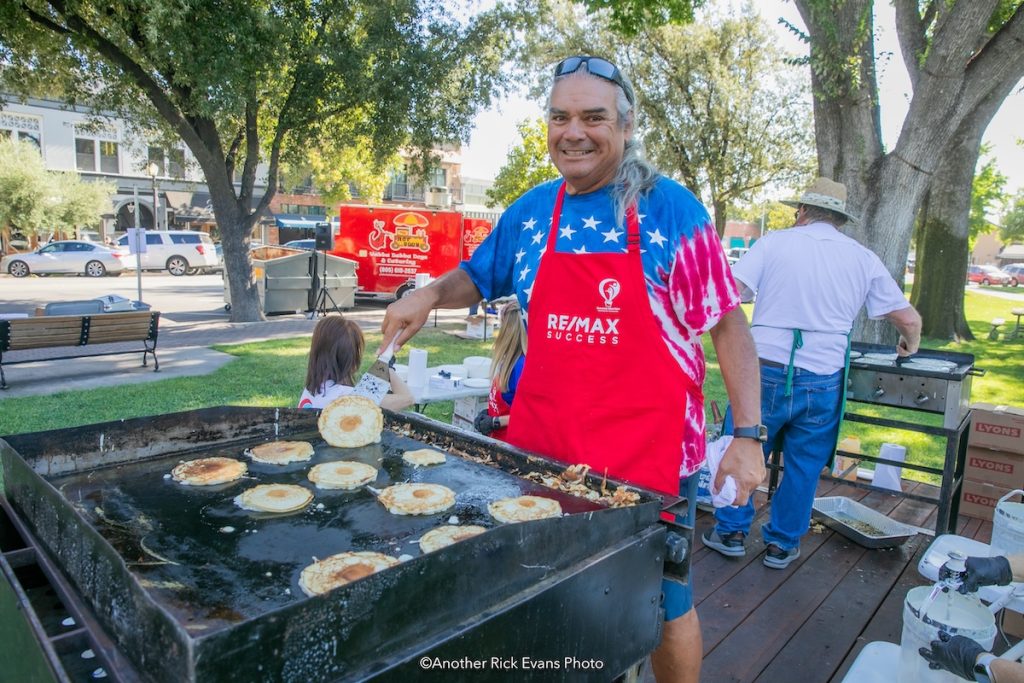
[394, 244]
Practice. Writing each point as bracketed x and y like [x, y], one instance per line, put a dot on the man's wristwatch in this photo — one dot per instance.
[757, 433]
[982, 672]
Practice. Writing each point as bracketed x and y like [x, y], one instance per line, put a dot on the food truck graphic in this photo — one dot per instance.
[394, 244]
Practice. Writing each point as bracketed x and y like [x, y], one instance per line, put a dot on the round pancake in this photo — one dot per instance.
[423, 456]
[343, 474]
[274, 498]
[209, 471]
[281, 452]
[351, 422]
[337, 570]
[442, 536]
[524, 508]
[416, 499]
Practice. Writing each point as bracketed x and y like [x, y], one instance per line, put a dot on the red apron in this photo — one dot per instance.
[601, 387]
[496, 407]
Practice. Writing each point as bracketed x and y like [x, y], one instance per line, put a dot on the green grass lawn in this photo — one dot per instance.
[271, 374]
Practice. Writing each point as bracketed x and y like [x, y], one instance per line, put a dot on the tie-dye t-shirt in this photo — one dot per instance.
[688, 279]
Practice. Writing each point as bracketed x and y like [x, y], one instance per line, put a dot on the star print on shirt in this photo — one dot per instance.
[523, 272]
[581, 250]
[528, 225]
[519, 255]
[529, 292]
[612, 235]
[537, 237]
[567, 231]
[657, 238]
[640, 218]
[591, 223]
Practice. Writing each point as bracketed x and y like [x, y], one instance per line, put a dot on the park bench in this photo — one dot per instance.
[41, 332]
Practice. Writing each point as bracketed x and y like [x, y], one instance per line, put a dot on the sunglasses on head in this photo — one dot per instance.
[601, 68]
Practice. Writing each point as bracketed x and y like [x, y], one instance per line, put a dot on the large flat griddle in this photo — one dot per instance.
[192, 588]
[210, 563]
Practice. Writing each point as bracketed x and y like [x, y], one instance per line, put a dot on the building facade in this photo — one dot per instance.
[163, 188]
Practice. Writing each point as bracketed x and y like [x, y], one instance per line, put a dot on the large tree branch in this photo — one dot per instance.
[911, 29]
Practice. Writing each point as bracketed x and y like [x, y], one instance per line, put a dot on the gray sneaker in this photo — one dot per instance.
[777, 558]
[730, 545]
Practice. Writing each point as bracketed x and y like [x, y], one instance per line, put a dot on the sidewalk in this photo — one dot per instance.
[182, 347]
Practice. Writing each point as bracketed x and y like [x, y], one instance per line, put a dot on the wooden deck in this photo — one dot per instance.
[808, 622]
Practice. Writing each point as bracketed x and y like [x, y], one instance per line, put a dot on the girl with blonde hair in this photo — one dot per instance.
[506, 369]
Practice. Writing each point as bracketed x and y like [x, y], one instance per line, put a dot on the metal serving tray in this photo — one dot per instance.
[843, 514]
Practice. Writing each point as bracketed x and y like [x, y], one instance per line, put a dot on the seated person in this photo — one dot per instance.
[334, 356]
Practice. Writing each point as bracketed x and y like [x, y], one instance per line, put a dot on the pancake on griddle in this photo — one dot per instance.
[337, 570]
[423, 456]
[209, 471]
[343, 474]
[442, 536]
[351, 422]
[274, 498]
[281, 452]
[524, 508]
[416, 499]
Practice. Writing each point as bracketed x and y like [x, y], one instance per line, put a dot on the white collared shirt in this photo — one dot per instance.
[815, 279]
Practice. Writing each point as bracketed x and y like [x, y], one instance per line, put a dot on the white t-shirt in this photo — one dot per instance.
[327, 393]
[815, 279]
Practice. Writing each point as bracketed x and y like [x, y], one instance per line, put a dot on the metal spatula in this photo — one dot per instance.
[376, 382]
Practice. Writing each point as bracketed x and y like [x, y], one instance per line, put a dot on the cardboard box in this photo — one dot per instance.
[995, 467]
[469, 407]
[978, 499]
[462, 423]
[1000, 428]
[478, 328]
[1013, 623]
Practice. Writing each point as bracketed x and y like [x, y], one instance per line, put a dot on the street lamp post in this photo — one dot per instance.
[154, 169]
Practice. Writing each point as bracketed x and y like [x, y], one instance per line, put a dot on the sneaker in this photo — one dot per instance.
[730, 545]
[777, 558]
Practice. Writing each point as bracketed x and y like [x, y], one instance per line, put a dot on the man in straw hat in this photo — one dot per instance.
[811, 282]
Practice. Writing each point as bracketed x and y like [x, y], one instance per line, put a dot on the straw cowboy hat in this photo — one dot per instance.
[825, 193]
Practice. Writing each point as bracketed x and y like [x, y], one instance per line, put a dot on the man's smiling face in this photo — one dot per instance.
[586, 140]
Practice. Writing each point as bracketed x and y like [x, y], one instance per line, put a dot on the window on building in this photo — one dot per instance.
[109, 160]
[97, 148]
[21, 127]
[85, 154]
[156, 156]
[438, 178]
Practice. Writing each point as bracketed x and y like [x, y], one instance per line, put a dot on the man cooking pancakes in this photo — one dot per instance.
[619, 272]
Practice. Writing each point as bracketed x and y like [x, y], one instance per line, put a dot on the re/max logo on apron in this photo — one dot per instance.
[586, 329]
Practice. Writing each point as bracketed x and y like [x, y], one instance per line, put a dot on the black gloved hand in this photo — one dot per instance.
[484, 422]
[956, 655]
[986, 571]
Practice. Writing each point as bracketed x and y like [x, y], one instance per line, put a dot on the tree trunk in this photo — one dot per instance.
[235, 227]
[941, 269]
[721, 212]
[954, 78]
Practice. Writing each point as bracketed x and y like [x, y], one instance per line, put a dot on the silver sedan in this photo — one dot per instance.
[69, 256]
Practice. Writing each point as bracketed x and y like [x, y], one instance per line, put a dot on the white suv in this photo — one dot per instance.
[180, 252]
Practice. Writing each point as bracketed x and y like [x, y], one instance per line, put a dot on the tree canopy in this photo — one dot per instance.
[1012, 230]
[244, 83]
[35, 201]
[527, 164]
[719, 107]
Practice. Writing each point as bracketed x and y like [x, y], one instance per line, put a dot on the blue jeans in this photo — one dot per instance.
[805, 425]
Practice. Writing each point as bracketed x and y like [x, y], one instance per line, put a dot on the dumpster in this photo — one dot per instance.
[288, 280]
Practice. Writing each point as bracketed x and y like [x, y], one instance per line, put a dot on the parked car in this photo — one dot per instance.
[1016, 273]
[180, 252]
[68, 256]
[988, 275]
[308, 245]
[734, 254]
